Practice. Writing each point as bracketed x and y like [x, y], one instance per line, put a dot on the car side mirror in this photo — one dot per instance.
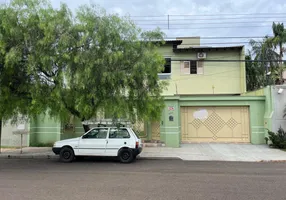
[84, 136]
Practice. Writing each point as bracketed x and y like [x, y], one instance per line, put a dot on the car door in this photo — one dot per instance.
[117, 138]
[93, 143]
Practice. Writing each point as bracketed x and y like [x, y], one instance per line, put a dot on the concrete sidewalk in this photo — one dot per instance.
[189, 152]
[219, 152]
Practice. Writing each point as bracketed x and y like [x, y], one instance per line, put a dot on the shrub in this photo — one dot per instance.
[42, 144]
[278, 139]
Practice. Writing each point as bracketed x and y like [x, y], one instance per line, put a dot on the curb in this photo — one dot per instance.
[23, 156]
[158, 158]
[9, 156]
[279, 161]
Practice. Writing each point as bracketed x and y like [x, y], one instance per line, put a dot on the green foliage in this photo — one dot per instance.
[42, 144]
[52, 60]
[266, 59]
[278, 40]
[255, 74]
[265, 50]
[278, 139]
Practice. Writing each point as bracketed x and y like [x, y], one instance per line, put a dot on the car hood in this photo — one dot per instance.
[68, 140]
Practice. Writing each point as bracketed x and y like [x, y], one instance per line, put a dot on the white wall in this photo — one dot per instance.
[9, 139]
[279, 101]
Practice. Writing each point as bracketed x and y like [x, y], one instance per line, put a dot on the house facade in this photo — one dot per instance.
[206, 101]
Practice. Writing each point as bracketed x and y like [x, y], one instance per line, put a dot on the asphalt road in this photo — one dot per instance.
[144, 179]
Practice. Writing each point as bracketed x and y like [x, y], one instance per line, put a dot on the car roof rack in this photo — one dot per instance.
[108, 123]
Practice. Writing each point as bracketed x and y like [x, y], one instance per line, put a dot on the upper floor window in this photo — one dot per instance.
[167, 66]
[166, 73]
[192, 67]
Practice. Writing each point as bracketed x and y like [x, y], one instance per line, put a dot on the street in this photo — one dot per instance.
[43, 179]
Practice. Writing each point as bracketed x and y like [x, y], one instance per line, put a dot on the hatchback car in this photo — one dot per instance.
[123, 143]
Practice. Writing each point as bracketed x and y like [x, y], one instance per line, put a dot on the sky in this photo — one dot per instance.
[212, 14]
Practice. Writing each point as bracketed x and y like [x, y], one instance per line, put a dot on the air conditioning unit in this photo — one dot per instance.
[202, 55]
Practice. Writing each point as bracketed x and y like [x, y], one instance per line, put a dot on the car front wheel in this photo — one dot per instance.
[66, 155]
[126, 156]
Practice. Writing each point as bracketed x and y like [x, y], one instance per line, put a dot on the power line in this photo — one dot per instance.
[231, 60]
[224, 14]
[213, 74]
[170, 19]
[205, 27]
[216, 43]
[225, 37]
[173, 24]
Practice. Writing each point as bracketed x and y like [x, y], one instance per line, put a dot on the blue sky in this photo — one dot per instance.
[163, 8]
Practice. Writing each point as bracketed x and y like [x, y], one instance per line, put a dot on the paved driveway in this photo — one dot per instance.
[219, 152]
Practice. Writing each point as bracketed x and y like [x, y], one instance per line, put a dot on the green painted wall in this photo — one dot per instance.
[259, 92]
[217, 78]
[172, 129]
[266, 92]
[44, 130]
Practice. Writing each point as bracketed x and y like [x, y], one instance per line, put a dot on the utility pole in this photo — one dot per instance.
[168, 21]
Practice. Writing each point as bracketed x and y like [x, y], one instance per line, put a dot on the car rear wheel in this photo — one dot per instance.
[66, 155]
[126, 156]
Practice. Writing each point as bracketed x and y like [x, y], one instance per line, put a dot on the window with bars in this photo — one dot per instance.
[192, 67]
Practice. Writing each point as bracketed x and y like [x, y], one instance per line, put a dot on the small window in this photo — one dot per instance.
[192, 67]
[186, 64]
[119, 134]
[100, 133]
[167, 66]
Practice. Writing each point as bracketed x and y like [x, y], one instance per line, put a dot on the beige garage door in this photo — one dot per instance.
[215, 124]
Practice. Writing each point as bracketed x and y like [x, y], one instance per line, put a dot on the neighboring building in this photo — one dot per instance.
[205, 100]
[10, 139]
[275, 104]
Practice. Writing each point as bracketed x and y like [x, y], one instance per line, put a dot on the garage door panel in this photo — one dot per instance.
[224, 113]
[218, 124]
[225, 132]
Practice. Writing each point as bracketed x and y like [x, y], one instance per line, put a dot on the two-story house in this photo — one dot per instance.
[203, 99]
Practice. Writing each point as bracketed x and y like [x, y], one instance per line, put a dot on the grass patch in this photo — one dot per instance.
[7, 147]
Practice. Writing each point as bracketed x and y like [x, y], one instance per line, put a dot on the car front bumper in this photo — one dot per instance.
[56, 150]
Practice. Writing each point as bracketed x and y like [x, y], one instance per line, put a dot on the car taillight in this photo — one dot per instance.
[137, 145]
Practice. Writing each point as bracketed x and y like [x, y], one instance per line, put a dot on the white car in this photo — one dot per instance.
[123, 143]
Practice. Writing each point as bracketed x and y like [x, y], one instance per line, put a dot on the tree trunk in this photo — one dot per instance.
[85, 127]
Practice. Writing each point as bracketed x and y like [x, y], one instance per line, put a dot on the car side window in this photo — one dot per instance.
[118, 133]
[96, 134]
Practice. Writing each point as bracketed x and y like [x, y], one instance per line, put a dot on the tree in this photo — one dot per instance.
[79, 64]
[278, 40]
[265, 60]
[255, 74]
